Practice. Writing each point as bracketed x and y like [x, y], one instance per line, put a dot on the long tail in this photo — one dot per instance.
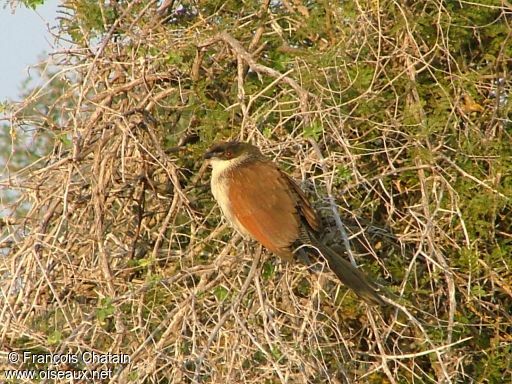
[350, 276]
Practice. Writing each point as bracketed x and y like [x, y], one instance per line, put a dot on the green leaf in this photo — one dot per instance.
[33, 4]
[343, 173]
[55, 337]
[106, 310]
[221, 293]
[268, 270]
[313, 131]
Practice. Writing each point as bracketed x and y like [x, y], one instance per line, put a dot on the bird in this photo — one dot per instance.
[265, 204]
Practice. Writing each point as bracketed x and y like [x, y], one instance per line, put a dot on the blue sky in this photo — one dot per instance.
[24, 38]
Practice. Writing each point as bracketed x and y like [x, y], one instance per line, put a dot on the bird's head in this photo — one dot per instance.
[231, 152]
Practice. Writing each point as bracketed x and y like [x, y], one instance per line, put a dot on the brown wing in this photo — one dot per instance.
[264, 205]
[303, 205]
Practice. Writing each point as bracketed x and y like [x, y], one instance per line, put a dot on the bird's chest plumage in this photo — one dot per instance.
[221, 184]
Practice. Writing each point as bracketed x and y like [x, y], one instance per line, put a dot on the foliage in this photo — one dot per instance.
[400, 110]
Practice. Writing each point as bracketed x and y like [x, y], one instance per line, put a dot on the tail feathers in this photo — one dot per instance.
[350, 276]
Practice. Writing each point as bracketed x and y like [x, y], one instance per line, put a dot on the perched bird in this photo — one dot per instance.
[265, 204]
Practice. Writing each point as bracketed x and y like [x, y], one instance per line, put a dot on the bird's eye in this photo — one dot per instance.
[228, 154]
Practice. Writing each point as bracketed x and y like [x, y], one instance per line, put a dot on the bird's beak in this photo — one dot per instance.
[208, 155]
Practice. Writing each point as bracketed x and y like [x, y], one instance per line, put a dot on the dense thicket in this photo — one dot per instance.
[396, 118]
